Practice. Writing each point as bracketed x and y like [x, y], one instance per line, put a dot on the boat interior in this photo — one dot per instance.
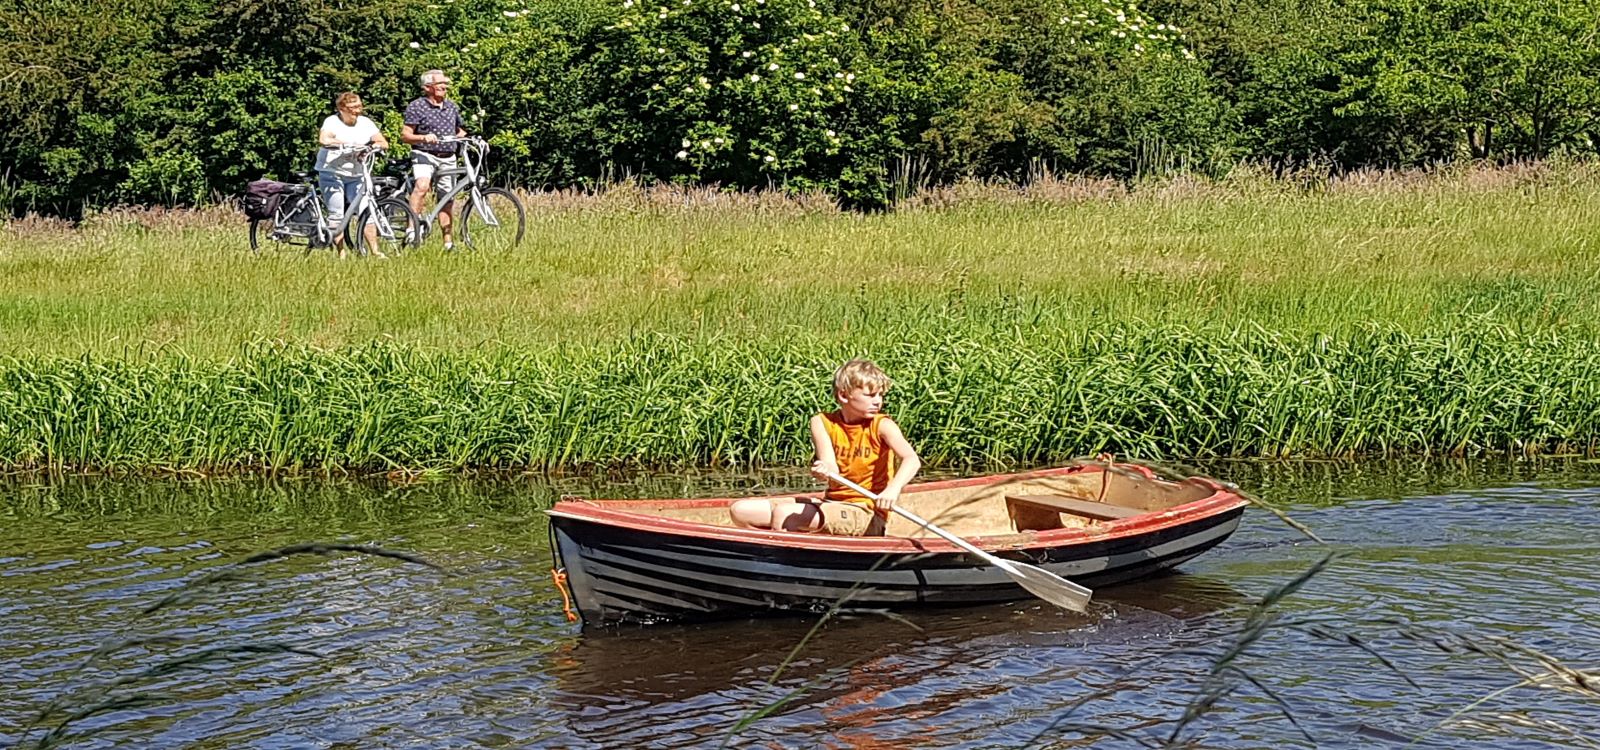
[1008, 505]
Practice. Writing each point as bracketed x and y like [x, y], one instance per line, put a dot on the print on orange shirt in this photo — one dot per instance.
[862, 456]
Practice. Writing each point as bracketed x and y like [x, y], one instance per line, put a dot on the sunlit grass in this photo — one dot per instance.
[1447, 313]
[1516, 246]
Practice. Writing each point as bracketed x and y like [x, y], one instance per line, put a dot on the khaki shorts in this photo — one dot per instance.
[424, 164]
[849, 519]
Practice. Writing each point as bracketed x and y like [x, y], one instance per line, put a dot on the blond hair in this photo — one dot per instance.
[345, 98]
[859, 373]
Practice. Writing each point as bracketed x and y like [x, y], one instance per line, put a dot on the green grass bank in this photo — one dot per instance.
[1447, 312]
[966, 393]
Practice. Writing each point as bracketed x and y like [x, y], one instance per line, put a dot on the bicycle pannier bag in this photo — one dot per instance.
[261, 197]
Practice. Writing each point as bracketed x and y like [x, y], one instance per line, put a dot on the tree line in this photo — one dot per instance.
[178, 102]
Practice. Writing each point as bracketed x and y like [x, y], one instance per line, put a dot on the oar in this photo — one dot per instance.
[1038, 581]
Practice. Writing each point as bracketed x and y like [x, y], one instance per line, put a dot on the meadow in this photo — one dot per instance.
[1451, 311]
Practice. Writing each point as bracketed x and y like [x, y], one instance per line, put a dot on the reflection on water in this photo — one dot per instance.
[407, 657]
[626, 685]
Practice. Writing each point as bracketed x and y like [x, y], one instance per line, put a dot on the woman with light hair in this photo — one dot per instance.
[338, 168]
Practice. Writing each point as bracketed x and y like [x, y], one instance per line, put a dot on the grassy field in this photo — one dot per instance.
[1446, 312]
[1513, 245]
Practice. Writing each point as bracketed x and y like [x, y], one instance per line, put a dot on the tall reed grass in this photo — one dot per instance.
[968, 392]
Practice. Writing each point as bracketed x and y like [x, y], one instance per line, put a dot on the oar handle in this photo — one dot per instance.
[945, 535]
[1036, 580]
[918, 520]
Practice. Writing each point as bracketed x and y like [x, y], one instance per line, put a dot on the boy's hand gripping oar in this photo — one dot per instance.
[1038, 581]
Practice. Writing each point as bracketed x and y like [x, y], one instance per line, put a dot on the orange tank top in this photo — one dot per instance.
[862, 455]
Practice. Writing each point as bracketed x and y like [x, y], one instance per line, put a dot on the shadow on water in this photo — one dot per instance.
[483, 658]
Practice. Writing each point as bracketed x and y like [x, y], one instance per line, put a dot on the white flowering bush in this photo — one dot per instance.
[995, 88]
[738, 92]
[1125, 92]
[1122, 26]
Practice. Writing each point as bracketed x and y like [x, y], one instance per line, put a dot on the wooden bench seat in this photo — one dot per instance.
[1043, 512]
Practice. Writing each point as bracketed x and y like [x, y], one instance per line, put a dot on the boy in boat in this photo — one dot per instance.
[857, 442]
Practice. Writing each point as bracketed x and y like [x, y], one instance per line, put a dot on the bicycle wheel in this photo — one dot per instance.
[265, 231]
[495, 224]
[259, 229]
[394, 229]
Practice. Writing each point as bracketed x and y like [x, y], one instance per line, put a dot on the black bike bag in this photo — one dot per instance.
[262, 197]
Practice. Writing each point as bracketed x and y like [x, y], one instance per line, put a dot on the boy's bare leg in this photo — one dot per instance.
[779, 513]
[793, 516]
[752, 513]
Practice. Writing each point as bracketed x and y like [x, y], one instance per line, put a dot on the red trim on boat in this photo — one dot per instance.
[615, 513]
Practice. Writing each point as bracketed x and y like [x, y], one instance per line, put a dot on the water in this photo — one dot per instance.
[398, 655]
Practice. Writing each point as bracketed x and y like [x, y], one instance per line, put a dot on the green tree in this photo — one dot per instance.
[1513, 78]
[81, 77]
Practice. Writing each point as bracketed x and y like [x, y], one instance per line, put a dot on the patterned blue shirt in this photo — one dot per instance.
[443, 120]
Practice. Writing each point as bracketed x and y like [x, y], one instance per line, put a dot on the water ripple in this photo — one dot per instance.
[407, 657]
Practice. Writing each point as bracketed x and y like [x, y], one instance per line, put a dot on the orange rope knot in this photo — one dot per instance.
[559, 575]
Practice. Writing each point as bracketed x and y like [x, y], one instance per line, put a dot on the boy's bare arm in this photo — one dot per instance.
[823, 463]
[910, 463]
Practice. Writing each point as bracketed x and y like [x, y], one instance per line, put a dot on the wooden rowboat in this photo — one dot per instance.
[681, 560]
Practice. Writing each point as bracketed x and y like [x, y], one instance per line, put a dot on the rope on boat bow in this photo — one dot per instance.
[559, 575]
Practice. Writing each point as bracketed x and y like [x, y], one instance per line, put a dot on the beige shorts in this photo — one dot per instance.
[424, 164]
[849, 519]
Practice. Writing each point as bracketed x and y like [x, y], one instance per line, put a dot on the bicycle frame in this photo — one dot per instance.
[285, 227]
[318, 232]
[473, 151]
[366, 195]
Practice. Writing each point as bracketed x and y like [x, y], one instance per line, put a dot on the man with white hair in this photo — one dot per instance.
[429, 118]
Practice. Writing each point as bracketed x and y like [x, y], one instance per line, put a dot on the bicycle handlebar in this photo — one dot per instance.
[370, 148]
[469, 141]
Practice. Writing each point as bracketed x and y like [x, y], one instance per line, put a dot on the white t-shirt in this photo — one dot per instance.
[359, 134]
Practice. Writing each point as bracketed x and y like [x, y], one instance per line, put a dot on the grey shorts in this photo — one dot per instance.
[423, 165]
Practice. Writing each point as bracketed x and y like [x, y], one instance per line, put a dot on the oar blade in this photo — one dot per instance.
[1049, 586]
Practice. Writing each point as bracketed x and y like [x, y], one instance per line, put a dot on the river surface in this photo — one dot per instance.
[353, 651]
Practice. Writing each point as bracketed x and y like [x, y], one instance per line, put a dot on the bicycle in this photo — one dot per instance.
[300, 220]
[490, 218]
